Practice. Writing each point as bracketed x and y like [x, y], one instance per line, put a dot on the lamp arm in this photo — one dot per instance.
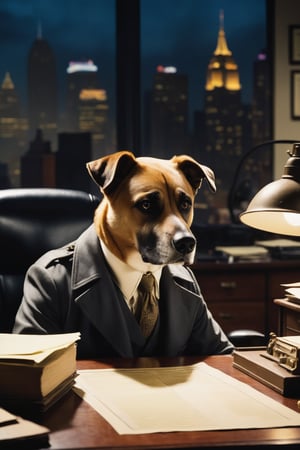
[230, 202]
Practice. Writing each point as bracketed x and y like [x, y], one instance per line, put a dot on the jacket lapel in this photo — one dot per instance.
[98, 296]
[179, 307]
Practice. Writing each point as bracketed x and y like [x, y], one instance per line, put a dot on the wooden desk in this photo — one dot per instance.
[75, 425]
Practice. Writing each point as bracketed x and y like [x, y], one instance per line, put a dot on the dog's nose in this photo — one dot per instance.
[184, 244]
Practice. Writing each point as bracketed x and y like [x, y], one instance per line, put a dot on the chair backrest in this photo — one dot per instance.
[33, 221]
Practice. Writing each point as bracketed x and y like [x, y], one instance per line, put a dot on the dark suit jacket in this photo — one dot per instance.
[72, 289]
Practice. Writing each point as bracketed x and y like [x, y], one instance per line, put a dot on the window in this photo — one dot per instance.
[83, 78]
[57, 81]
[220, 88]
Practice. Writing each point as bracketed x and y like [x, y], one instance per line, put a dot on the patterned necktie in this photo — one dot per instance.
[148, 302]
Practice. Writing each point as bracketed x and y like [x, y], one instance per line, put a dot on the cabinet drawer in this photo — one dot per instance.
[233, 316]
[227, 286]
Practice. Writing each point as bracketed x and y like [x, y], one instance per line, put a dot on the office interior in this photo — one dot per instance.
[210, 265]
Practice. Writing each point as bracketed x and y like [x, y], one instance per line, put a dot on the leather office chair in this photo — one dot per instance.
[33, 221]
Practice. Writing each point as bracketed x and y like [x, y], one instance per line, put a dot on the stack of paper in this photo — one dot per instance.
[283, 243]
[36, 370]
[281, 248]
[244, 252]
[292, 291]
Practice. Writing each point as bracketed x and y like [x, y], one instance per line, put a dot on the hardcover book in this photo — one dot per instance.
[36, 370]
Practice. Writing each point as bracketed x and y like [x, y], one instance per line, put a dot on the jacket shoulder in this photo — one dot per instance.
[57, 256]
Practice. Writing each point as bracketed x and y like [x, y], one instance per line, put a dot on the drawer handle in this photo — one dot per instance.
[228, 284]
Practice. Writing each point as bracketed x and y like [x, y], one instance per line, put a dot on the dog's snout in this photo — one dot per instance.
[183, 243]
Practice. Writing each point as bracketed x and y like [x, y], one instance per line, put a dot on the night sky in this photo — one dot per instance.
[182, 33]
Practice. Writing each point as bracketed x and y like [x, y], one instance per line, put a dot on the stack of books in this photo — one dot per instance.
[36, 371]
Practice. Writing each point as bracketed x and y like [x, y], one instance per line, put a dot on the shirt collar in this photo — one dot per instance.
[126, 277]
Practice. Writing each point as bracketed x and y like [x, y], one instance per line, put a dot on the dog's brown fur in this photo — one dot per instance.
[146, 212]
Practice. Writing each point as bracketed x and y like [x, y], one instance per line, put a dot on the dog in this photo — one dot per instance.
[147, 208]
[93, 284]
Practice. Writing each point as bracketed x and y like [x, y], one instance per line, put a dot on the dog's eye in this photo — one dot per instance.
[149, 204]
[145, 205]
[185, 203]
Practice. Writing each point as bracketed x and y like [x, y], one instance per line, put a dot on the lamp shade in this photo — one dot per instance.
[276, 207]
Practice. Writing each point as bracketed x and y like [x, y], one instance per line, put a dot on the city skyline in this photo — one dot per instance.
[76, 30]
[209, 119]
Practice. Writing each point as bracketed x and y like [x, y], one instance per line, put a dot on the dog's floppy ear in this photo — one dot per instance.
[110, 170]
[195, 172]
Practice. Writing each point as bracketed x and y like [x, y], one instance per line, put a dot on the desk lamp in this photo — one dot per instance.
[276, 207]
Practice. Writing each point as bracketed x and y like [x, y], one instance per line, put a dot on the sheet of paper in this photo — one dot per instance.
[6, 417]
[21, 429]
[295, 292]
[14, 427]
[32, 347]
[292, 285]
[184, 398]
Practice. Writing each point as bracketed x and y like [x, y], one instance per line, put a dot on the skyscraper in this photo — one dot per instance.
[13, 128]
[80, 75]
[224, 116]
[9, 109]
[261, 104]
[93, 118]
[168, 112]
[42, 90]
[87, 109]
[38, 164]
[74, 151]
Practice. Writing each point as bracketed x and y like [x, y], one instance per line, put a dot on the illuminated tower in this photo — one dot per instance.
[93, 118]
[80, 75]
[9, 109]
[168, 112]
[42, 90]
[87, 105]
[222, 70]
[224, 115]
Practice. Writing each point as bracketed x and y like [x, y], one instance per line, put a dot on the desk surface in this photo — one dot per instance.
[75, 425]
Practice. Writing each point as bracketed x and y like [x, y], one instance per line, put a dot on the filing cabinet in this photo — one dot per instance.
[240, 295]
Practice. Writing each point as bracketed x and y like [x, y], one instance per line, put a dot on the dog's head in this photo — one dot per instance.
[147, 208]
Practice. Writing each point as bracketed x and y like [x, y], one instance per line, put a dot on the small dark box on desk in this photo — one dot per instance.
[256, 363]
